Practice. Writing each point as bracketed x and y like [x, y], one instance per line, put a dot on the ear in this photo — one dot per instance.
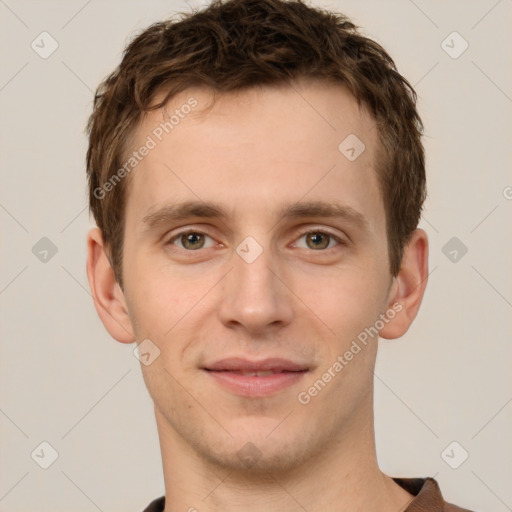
[107, 295]
[408, 287]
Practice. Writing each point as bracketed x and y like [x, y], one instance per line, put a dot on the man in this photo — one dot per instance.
[257, 176]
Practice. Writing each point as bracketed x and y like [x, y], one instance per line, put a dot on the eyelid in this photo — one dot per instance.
[299, 233]
[170, 239]
[341, 236]
[320, 229]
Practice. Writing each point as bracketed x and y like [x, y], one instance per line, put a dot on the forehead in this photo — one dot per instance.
[271, 144]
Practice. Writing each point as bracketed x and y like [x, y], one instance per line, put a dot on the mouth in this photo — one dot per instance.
[256, 378]
[262, 373]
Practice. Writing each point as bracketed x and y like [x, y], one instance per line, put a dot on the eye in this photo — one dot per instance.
[318, 240]
[189, 240]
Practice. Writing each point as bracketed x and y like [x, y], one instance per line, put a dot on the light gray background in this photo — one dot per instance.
[66, 382]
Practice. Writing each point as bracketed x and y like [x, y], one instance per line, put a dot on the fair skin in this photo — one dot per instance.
[305, 298]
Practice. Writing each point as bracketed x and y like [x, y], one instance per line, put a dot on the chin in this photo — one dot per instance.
[260, 453]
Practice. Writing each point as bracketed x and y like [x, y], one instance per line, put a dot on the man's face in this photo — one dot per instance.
[212, 296]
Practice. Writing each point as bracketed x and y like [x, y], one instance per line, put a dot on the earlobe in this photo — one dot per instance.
[408, 288]
[107, 295]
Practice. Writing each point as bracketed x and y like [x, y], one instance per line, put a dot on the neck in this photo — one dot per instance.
[345, 474]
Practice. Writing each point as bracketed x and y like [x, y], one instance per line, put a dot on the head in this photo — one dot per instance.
[288, 147]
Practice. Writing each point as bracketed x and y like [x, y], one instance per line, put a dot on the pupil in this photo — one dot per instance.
[192, 239]
[317, 239]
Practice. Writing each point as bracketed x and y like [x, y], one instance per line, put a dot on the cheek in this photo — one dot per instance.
[346, 299]
[172, 311]
[154, 305]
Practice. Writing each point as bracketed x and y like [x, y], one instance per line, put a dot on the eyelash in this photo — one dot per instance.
[311, 231]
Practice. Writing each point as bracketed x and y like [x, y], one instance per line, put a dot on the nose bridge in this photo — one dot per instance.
[253, 296]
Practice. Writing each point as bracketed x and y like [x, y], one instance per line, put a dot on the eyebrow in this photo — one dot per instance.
[188, 209]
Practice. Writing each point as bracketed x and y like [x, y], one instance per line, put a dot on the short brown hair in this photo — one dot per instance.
[238, 44]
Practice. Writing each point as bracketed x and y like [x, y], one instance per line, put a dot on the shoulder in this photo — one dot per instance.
[427, 496]
[450, 507]
[156, 505]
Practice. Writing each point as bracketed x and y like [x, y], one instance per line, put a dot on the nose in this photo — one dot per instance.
[256, 296]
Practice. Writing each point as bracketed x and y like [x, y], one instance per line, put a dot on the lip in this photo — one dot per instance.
[276, 364]
[226, 372]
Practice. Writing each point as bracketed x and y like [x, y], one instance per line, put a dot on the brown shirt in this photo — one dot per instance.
[428, 497]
